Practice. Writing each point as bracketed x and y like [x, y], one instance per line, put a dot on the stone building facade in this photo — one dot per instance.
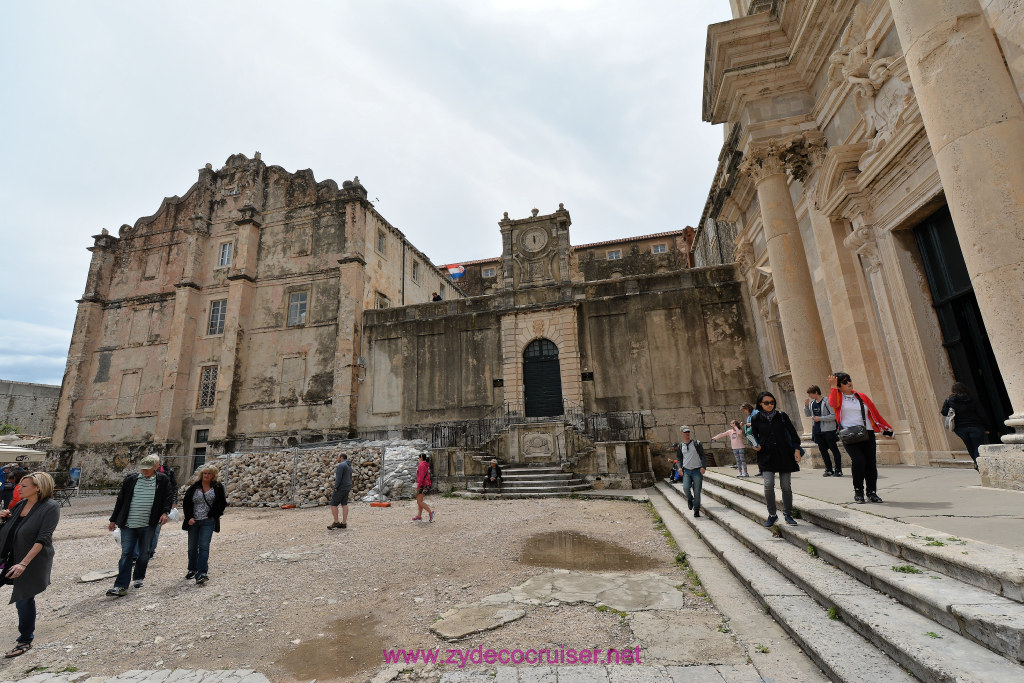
[30, 408]
[230, 319]
[871, 192]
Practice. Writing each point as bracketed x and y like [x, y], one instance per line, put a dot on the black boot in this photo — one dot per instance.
[858, 496]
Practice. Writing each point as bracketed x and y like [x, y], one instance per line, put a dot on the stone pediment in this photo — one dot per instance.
[837, 178]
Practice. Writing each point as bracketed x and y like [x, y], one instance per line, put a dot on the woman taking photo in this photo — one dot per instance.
[204, 503]
[854, 409]
[26, 551]
[778, 451]
[967, 422]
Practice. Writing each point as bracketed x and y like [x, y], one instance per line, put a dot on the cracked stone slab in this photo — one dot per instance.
[463, 621]
[297, 554]
[97, 576]
[632, 592]
[685, 638]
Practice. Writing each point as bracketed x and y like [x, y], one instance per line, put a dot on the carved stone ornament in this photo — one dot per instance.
[537, 445]
[862, 241]
[796, 154]
[744, 254]
[881, 87]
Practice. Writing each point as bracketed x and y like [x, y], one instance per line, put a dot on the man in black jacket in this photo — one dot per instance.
[169, 471]
[143, 504]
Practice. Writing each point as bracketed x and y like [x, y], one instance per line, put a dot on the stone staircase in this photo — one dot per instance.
[866, 597]
[534, 481]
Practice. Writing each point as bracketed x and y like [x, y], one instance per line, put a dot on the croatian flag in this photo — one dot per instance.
[456, 271]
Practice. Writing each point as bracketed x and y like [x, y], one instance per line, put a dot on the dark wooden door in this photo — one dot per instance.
[963, 331]
[542, 379]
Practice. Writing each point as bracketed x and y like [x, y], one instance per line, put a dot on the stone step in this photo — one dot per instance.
[967, 464]
[990, 567]
[904, 635]
[826, 641]
[564, 489]
[550, 476]
[571, 484]
[988, 619]
[510, 496]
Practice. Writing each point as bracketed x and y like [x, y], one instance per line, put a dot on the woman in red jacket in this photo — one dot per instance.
[422, 486]
[854, 408]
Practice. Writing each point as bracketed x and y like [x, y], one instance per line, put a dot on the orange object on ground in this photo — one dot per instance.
[380, 505]
[287, 507]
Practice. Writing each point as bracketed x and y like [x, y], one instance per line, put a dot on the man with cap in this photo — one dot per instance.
[493, 476]
[143, 504]
[693, 462]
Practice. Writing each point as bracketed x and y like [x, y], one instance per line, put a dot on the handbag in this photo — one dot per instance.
[950, 420]
[857, 433]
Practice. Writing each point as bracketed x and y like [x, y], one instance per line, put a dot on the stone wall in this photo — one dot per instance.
[30, 408]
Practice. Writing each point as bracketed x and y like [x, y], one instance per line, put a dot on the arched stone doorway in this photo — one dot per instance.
[542, 379]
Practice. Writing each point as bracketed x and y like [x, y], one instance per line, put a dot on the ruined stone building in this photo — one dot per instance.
[871, 192]
[263, 309]
[230, 318]
[29, 408]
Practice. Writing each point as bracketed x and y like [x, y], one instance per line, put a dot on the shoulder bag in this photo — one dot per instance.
[950, 419]
[857, 433]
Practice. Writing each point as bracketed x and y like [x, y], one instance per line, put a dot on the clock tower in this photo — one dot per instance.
[535, 250]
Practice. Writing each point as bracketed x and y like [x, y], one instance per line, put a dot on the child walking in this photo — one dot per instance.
[736, 437]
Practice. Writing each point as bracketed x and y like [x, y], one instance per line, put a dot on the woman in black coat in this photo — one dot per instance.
[778, 451]
[203, 504]
[26, 551]
[967, 420]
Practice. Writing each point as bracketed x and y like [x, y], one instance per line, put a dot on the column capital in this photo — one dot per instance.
[796, 154]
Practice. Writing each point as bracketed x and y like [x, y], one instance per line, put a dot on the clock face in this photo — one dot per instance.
[534, 239]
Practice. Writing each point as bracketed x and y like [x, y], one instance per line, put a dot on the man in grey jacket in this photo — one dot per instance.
[342, 487]
[690, 454]
[824, 433]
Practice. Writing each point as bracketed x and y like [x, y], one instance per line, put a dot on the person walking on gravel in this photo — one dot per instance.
[422, 486]
[204, 503]
[342, 487]
[143, 503]
[778, 452]
[26, 551]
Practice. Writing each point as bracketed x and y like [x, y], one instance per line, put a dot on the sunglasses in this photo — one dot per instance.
[767, 403]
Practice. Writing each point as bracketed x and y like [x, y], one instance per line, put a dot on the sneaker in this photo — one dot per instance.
[343, 525]
[838, 473]
[828, 473]
[431, 516]
[118, 592]
[191, 574]
[771, 521]
[789, 520]
[874, 498]
[417, 519]
[336, 525]
[858, 498]
[696, 513]
[138, 583]
[201, 579]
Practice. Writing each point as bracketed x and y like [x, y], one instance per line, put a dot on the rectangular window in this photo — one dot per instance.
[415, 271]
[297, 308]
[207, 386]
[659, 248]
[383, 301]
[614, 255]
[128, 392]
[218, 311]
[224, 260]
[382, 242]
[488, 272]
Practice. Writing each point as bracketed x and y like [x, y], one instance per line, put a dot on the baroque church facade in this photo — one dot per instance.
[870, 190]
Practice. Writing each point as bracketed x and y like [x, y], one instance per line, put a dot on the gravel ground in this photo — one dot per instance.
[295, 601]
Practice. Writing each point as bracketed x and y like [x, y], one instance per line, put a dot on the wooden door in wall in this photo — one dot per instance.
[542, 379]
[963, 331]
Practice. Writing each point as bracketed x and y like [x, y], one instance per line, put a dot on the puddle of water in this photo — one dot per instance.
[573, 550]
[350, 646]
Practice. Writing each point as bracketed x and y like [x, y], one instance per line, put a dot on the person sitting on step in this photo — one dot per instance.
[493, 476]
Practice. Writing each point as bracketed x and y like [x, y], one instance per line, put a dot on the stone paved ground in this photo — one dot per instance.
[154, 676]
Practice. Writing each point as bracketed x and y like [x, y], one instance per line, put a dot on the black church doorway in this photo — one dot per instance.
[542, 379]
[963, 331]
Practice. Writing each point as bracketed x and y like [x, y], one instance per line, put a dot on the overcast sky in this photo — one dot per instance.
[449, 111]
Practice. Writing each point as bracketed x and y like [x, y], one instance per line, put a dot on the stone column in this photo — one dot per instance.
[975, 124]
[348, 372]
[794, 289]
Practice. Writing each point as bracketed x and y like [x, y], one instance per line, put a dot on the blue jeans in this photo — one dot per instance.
[135, 545]
[26, 619]
[156, 537]
[973, 437]
[199, 536]
[693, 481]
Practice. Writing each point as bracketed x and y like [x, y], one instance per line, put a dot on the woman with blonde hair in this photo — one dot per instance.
[203, 504]
[26, 551]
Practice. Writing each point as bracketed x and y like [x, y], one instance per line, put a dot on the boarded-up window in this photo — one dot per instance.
[129, 392]
[293, 377]
[207, 386]
[386, 356]
[153, 261]
[139, 330]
